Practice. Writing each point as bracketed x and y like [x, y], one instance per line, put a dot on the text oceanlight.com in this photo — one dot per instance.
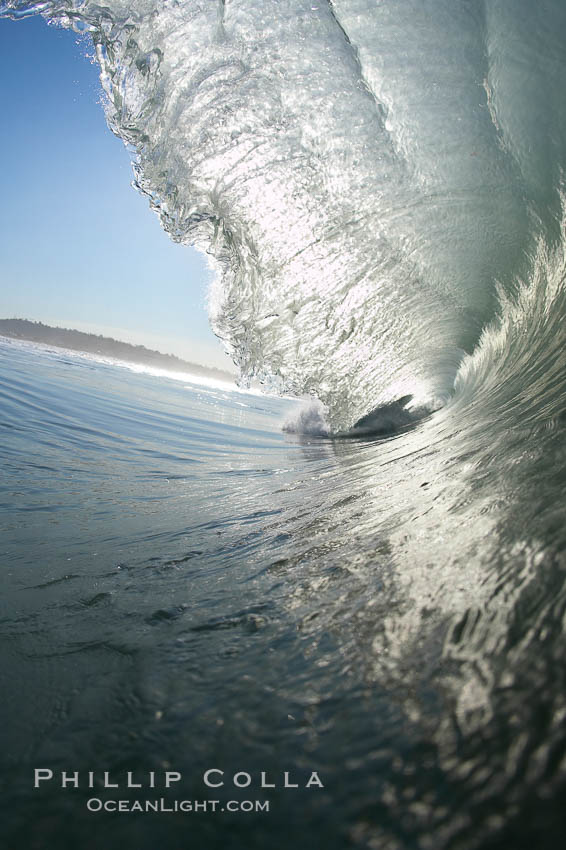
[95, 804]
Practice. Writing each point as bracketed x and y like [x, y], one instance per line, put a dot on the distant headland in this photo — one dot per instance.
[105, 346]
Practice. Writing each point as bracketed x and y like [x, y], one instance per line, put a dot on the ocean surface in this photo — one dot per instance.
[187, 586]
[369, 584]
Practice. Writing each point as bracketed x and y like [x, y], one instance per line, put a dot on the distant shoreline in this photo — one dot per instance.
[26, 330]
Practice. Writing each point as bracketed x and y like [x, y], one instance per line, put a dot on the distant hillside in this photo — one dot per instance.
[106, 346]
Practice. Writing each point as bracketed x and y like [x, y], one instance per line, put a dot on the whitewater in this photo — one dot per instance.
[370, 583]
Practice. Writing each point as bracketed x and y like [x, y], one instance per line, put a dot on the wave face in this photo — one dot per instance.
[369, 176]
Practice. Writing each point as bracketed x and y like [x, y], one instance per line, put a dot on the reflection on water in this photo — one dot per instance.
[185, 585]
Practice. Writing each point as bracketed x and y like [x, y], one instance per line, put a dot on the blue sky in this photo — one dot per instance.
[79, 247]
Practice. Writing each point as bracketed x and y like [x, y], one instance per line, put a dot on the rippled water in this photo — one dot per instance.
[185, 585]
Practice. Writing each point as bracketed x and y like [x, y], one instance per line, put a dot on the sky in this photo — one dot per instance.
[79, 247]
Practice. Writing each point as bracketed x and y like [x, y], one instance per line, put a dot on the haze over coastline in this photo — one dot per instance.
[23, 329]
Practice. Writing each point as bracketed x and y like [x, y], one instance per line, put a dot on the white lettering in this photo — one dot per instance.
[107, 783]
[245, 783]
[70, 779]
[289, 784]
[171, 776]
[47, 774]
[265, 783]
[131, 783]
[314, 780]
[207, 780]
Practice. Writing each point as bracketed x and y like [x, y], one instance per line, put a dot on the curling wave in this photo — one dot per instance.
[369, 178]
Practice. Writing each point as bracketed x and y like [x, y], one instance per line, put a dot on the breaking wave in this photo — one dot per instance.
[374, 181]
